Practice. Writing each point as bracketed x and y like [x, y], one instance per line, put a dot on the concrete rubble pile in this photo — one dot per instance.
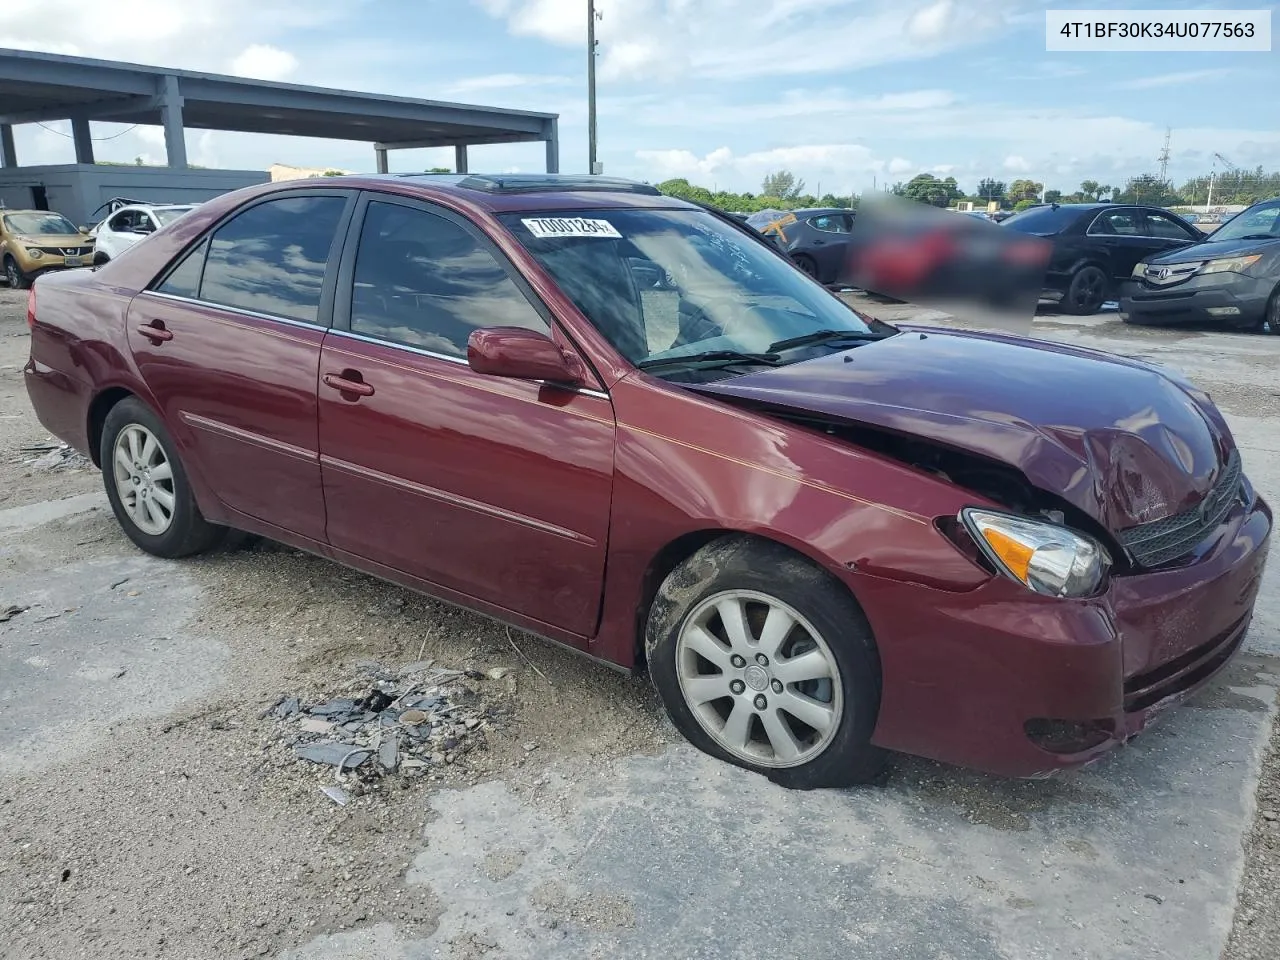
[385, 723]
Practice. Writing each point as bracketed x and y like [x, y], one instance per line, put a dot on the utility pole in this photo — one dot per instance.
[1164, 159]
[592, 17]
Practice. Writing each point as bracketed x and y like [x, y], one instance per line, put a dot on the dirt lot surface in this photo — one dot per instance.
[149, 809]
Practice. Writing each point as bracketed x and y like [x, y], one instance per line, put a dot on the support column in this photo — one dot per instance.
[83, 139]
[460, 158]
[175, 140]
[553, 146]
[8, 155]
[380, 154]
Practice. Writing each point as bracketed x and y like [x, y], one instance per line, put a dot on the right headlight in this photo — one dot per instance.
[35, 253]
[1231, 264]
[1044, 557]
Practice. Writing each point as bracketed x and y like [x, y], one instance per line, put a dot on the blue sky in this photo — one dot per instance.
[845, 93]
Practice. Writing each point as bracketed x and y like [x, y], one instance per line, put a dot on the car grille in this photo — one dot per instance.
[1161, 541]
[67, 251]
[1161, 276]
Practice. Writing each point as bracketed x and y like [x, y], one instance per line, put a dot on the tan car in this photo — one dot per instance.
[35, 241]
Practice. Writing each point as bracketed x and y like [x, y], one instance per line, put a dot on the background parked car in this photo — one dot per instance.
[816, 239]
[1097, 245]
[128, 225]
[36, 241]
[1232, 277]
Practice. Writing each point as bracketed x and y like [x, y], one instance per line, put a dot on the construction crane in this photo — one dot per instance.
[1226, 163]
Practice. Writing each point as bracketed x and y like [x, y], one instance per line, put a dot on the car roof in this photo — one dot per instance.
[508, 192]
[157, 206]
[820, 211]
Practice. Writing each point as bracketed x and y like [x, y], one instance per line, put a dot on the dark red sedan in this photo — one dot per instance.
[624, 423]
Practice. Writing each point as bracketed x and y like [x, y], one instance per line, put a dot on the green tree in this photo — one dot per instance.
[1023, 205]
[926, 188]
[1021, 190]
[990, 189]
[1053, 196]
[783, 184]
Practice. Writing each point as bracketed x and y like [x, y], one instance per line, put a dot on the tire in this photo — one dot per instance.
[17, 279]
[184, 531]
[1273, 314]
[806, 263]
[828, 649]
[1086, 293]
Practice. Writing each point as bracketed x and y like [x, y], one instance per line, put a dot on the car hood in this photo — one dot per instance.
[54, 240]
[1214, 250]
[1123, 441]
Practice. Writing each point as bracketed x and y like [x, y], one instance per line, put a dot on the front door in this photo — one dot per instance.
[494, 488]
[229, 344]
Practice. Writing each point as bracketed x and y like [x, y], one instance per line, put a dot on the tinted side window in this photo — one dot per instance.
[1158, 225]
[122, 222]
[184, 279]
[423, 281]
[1122, 222]
[271, 258]
[830, 224]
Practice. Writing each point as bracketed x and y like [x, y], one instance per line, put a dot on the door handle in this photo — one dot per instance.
[155, 332]
[341, 383]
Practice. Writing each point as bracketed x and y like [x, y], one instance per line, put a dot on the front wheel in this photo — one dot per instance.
[17, 279]
[765, 661]
[1273, 313]
[148, 486]
[1086, 293]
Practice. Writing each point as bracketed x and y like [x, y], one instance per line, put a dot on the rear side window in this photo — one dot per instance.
[271, 259]
[425, 282]
[184, 279]
[1122, 223]
[1158, 225]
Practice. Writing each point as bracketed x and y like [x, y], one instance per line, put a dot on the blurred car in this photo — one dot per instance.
[816, 239]
[1097, 245]
[33, 242]
[1233, 277]
[128, 225]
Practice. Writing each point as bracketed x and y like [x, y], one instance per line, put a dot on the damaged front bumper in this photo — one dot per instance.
[1018, 685]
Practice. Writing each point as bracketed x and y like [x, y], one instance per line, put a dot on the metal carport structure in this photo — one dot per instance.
[37, 87]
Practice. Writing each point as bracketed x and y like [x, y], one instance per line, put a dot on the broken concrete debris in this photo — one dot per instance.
[420, 718]
[11, 611]
[54, 455]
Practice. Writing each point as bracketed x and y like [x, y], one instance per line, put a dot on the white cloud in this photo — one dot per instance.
[675, 40]
[942, 169]
[262, 61]
[1016, 164]
[833, 166]
[900, 165]
[1175, 79]
[505, 81]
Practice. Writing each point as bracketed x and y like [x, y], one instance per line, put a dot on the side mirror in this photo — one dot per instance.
[84, 229]
[99, 258]
[524, 355]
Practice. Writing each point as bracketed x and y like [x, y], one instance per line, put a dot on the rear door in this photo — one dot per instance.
[1123, 235]
[494, 488]
[229, 342]
[1165, 233]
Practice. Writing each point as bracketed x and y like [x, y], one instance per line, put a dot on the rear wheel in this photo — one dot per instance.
[1086, 293]
[17, 279]
[148, 486]
[807, 264]
[764, 661]
[1273, 313]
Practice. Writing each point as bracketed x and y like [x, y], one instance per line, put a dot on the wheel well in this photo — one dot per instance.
[680, 550]
[98, 411]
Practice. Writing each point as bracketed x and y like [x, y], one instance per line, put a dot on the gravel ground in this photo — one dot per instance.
[158, 832]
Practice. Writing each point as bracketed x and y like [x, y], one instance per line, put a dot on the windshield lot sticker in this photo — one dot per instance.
[571, 227]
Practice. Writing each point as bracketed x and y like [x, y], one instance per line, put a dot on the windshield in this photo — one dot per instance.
[32, 224]
[1043, 220]
[664, 284]
[1260, 220]
[166, 215]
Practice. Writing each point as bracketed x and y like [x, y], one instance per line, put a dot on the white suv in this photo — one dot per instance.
[128, 225]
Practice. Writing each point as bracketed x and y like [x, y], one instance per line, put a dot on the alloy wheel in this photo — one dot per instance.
[11, 274]
[759, 679]
[144, 479]
[1088, 290]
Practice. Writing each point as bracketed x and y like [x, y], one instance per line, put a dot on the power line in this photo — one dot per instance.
[94, 139]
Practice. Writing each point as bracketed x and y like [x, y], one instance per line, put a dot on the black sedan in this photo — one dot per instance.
[816, 239]
[1232, 278]
[1097, 245]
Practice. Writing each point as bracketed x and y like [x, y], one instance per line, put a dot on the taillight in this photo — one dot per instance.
[31, 308]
